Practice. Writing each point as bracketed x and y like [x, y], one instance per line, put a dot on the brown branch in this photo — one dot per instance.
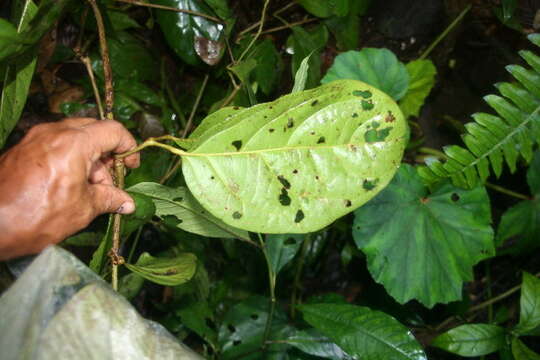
[284, 27]
[107, 71]
[169, 8]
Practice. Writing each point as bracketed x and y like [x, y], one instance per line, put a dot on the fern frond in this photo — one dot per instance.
[492, 140]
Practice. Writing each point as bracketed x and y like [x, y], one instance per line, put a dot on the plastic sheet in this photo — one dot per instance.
[59, 309]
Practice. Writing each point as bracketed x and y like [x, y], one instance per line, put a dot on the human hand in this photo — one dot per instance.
[57, 180]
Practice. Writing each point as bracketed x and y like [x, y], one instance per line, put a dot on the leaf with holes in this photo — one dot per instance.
[188, 214]
[420, 245]
[296, 164]
[472, 340]
[165, 271]
[364, 333]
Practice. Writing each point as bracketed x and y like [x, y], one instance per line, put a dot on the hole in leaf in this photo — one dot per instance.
[312, 133]
[316, 177]
[231, 328]
[236, 215]
[365, 94]
[284, 182]
[321, 140]
[299, 216]
[237, 342]
[171, 220]
[367, 105]
[354, 115]
[348, 203]
[390, 117]
[377, 135]
[271, 130]
[178, 199]
[284, 198]
[212, 178]
[314, 102]
[455, 197]
[237, 144]
[295, 171]
[254, 316]
[370, 184]
[290, 123]
[290, 241]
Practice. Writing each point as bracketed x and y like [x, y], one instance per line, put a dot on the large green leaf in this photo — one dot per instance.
[185, 32]
[363, 333]
[17, 77]
[314, 343]
[378, 67]
[522, 352]
[422, 78]
[243, 327]
[522, 221]
[190, 215]
[296, 164]
[423, 246]
[472, 340]
[529, 304]
[165, 271]
[281, 249]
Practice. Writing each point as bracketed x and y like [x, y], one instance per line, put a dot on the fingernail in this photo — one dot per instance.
[127, 208]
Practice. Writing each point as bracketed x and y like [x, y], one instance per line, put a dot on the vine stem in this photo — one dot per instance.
[169, 8]
[259, 31]
[445, 32]
[272, 285]
[484, 304]
[298, 274]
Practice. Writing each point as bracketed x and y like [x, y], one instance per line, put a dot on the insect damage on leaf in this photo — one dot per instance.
[335, 139]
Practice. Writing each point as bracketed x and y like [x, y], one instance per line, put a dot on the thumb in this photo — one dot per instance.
[109, 199]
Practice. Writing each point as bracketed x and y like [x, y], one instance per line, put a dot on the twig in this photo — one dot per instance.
[254, 26]
[484, 304]
[169, 8]
[507, 192]
[272, 286]
[259, 31]
[117, 226]
[195, 106]
[86, 61]
[107, 71]
[288, 26]
[445, 32]
[298, 273]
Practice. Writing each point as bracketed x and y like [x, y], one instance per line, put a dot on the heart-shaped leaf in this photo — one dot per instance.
[165, 271]
[364, 333]
[423, 246]
[377, 67]
[303, 160]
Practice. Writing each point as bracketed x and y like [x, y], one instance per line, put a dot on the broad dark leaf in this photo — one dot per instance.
[423, 246]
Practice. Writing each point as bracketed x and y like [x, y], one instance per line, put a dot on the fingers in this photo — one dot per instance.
[99, 174]
[109, 199]
[111, 136]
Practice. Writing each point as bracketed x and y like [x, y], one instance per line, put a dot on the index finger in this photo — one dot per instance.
[109, 136]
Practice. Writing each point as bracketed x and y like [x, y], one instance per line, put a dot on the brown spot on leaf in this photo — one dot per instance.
[389, 117]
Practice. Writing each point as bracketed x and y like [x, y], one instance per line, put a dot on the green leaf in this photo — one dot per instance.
[8, 33]
[508, 7]
[303, 160]
[139, 91]
[312, 342]
[301, 75]
[472, 340]
[241, 331]
[130, 285]
[282, 248]
[269, 65]
[422, 78]
[165, 271]
[185, 32]
[363, 333]
[522, 221]
[188, 213]
[377, 67]
[121, 21]
[529, 305]
[423, 246]
[326, 8]
[303, 43]
[522, 352]
[221, 8]
[17, 77]
[346, 30]
[144, 210]
[83, 239]
[197, 317]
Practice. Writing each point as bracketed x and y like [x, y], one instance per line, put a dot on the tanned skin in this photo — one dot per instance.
[57, 180]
